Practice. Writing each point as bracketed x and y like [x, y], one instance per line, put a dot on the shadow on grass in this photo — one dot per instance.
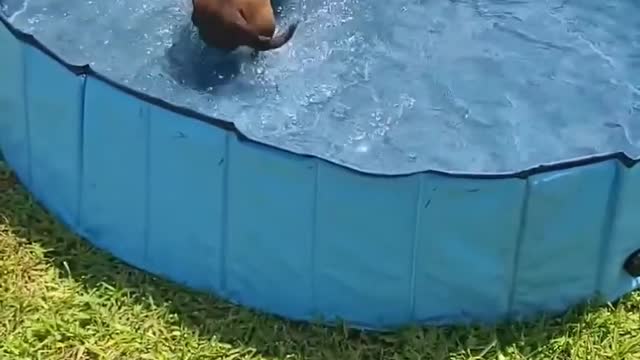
[211, 318]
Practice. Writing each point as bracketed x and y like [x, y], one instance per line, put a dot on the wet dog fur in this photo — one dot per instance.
[228, 24]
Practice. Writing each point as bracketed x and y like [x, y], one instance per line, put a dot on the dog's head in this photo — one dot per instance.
[222, 25]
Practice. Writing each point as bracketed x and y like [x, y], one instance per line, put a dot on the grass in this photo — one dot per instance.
[60, 298]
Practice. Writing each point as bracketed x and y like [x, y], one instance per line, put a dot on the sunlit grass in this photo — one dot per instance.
[60, 298]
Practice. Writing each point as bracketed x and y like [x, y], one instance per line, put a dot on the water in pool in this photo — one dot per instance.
[384, 86]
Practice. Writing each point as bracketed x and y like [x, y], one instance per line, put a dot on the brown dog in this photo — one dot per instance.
[227, 24]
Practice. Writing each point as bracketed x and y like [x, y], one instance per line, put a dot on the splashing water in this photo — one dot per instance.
[467, 85]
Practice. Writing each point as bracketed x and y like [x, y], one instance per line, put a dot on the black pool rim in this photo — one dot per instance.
[86, 70]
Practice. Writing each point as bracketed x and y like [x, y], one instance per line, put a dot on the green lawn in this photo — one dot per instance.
[62, 299]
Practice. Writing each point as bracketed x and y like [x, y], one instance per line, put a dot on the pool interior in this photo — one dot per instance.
[480, 86]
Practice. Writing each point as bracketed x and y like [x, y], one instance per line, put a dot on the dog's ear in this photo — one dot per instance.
[249, 37]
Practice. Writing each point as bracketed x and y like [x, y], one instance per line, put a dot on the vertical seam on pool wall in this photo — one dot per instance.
[27, 125]
[607, 227]
[414, 250]
[147, 183]
[314, 238]
[80, 155]
[224, 229]
[524, 213]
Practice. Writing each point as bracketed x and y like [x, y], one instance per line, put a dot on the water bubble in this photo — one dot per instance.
[363, 147]
[340, 112]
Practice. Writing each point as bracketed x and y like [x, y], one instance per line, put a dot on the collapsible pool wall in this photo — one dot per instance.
[191, 199]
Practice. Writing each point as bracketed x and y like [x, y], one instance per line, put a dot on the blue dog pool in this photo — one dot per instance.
[437, 163]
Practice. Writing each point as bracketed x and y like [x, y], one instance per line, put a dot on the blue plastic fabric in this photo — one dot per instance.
[385, 87]
[299, 236]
